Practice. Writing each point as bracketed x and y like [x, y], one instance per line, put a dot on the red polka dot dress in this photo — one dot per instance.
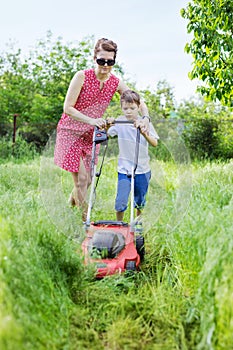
[74, 138]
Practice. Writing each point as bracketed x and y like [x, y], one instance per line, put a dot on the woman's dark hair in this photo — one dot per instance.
[106, 45]
[130, 96]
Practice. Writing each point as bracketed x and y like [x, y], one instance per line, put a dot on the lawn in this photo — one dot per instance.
[180, 299]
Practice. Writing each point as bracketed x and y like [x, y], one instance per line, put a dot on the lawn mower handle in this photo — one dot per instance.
[123, 122]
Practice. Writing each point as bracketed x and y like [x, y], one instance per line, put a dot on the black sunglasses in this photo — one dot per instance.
[102, 62]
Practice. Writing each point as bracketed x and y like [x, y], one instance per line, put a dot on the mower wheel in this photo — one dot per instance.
[140, 246]
[130, 266]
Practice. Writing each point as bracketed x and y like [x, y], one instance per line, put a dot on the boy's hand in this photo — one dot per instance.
[141, 125]
[109, 122]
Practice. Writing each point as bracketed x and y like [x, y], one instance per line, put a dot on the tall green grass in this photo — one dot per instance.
[180, 299]
[40, 268]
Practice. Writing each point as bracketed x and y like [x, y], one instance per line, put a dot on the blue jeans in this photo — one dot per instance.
[141, 184]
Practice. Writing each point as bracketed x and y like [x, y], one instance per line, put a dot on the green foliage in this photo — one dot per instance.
[114, 108]
[201, 137]
[207, 130]
[212, 47]
[21, 150]
[160, 102]
[34, 86]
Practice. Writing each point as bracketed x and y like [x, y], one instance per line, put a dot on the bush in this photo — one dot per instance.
[37, 134]
[207, 129]
[21, 149]
[208, 138]
[201, 137]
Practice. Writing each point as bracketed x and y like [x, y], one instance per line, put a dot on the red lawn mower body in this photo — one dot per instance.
[115, 243]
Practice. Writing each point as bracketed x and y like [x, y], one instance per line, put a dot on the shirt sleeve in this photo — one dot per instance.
[112, 131]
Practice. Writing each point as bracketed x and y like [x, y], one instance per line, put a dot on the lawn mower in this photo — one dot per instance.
[114, 247]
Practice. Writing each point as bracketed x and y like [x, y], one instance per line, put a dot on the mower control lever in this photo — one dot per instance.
[100, 136]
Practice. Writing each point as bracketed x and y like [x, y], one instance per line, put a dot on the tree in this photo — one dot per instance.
[211, 23]
[34, 85]
[161, 102]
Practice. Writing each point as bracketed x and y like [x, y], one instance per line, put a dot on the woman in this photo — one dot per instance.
[87, 98]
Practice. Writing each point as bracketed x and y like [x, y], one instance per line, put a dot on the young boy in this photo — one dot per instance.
[127, 136]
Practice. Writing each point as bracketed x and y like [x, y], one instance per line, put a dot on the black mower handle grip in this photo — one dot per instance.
[110, 223]
[123, 122]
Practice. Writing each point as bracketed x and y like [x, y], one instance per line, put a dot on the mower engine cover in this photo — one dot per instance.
[107, 243]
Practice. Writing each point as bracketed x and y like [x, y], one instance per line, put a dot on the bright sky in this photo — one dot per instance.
[150, 34]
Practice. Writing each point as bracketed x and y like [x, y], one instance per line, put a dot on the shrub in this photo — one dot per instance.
[20, 150]
[202, 139]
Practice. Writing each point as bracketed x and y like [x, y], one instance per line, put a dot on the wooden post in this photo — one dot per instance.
[14, 127]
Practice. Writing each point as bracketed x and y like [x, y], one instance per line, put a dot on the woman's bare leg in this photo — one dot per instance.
[82, 181]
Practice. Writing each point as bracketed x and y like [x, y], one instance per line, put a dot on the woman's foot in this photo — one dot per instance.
[84, 217]
[84, 211]
[71, 201]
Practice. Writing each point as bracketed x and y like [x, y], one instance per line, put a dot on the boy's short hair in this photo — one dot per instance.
[130, 96]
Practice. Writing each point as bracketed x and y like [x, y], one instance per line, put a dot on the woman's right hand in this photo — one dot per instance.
[99, 122]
